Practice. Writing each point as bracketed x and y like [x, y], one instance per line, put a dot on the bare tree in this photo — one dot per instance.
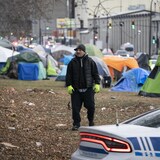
[17, 15]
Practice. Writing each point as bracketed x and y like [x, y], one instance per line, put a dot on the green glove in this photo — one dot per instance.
[70, 89]
[96, 88]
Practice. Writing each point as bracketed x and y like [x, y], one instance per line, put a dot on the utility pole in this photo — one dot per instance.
[150, 29]
[94, 30]
[40, 32]
[71, 16]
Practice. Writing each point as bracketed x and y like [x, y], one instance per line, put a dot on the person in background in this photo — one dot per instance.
[82, 82]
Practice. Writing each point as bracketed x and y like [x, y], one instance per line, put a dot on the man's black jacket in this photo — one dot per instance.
[82, 73]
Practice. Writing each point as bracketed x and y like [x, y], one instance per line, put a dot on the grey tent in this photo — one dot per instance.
[103, 71]
[6, 44]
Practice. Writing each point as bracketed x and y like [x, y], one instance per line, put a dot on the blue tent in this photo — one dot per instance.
[131, 81]
[66, 59]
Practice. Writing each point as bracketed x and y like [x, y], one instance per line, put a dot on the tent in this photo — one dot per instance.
[92, 50]
[131, 81]
[118, 64]
[20, 66]
[107, 51]
[6, 44]
[48, 61]
[63, 48]
[151, 87]
[43, 55]
[102, 67]
[143, 60]
[60, 50]
[5, 54]
[103, 71]
[62, 74]
[67, 59]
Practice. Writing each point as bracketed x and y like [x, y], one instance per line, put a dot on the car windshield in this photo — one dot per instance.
[129, 49]
[149, 120]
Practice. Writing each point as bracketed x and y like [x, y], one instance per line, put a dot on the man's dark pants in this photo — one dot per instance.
[79, 98]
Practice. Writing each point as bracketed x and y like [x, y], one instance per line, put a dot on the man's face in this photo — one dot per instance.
[80, 53]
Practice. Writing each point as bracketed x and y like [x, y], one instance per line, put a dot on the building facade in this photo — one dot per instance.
[112, 29]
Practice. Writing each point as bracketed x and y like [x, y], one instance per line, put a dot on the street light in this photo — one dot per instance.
[133, 24]
[109, 25]
[95, 32]
[95, 12]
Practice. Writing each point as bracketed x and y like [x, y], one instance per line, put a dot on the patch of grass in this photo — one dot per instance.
[41, 84]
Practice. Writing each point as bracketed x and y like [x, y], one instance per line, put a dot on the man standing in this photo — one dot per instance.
[82, 81]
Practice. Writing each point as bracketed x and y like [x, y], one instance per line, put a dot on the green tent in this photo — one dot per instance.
[92, 50]
[151, 87]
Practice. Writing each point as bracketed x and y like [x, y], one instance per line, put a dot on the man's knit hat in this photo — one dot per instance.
[80, 46]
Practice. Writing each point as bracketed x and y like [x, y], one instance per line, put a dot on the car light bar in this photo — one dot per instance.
[109, 144]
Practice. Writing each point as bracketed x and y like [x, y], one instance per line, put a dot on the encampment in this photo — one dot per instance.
[24, 66]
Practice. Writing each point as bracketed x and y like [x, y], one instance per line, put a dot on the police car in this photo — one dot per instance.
[135, 139]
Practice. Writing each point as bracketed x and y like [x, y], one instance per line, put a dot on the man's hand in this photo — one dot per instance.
[70, 89]
[96, 88]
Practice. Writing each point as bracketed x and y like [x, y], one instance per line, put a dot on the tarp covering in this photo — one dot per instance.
[131, 81]
[28, 71]
[28, 56]
[151, 87]
[50, 70]
[42, 71]
[119, 63]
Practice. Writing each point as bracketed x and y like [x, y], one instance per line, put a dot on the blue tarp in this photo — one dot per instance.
[66, 59]
[131, 81]
[28, 71]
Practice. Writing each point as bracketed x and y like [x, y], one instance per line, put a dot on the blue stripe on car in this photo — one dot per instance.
[135, 143]
[143, 143]
[95, 150]
[157, 154]
[155, 143]
[138, 153]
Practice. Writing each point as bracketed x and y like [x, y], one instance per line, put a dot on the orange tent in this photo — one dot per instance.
[118, 63]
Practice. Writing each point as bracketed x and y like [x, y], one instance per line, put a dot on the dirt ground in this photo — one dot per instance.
[35, 124]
